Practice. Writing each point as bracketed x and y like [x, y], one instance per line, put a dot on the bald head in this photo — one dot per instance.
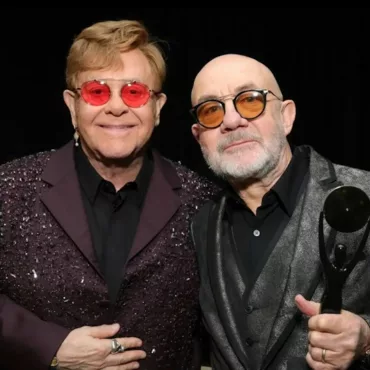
[229, 73]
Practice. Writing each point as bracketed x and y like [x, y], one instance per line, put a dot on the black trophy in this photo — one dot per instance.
[347, 210]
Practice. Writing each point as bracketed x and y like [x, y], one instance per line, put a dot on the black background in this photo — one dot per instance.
[319, 56]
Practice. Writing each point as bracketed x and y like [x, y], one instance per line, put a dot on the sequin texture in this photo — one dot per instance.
[42, 270]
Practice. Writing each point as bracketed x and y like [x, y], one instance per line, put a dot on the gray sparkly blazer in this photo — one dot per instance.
[50, 281]
[269, 334]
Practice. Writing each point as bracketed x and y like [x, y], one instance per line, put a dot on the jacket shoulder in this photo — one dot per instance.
[194, 186]
[200, 222]
[322, 167]
[353, 176]
[23, 170]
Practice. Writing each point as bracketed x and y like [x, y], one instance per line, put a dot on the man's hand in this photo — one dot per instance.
[343, 336]
[89, 348]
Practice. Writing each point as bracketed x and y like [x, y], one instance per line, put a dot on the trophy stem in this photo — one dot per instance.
[332, 300]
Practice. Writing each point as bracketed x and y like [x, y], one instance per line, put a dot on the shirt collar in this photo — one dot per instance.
[91, 181]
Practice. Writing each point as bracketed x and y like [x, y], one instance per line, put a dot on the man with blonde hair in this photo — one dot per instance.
[97, 268]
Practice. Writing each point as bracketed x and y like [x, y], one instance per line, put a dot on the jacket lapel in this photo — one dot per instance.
[226, 282]
[63, 200]
[160, 205]
[296, 256]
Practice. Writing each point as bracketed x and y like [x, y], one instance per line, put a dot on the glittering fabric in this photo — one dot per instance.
[246, 329]
[42, 270]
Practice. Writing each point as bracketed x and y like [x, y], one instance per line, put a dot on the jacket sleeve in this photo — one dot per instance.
[26, 341]
[363, 362]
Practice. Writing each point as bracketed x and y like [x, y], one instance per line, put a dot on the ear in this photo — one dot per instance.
[160, 102]
[195, 130]
[69, 100]
[288, 112]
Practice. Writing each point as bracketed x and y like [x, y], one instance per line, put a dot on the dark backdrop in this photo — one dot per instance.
[319, 55]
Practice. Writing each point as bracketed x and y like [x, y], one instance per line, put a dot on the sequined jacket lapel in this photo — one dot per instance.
[63, 200]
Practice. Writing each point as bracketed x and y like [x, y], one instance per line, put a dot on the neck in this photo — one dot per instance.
[117, 174]
[252, 190]
[117, 171]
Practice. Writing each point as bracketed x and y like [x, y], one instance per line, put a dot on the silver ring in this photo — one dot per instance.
[116, 347]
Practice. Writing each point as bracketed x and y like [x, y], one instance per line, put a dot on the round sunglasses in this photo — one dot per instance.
[97, 92]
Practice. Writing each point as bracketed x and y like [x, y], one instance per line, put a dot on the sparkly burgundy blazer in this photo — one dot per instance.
[50, 281]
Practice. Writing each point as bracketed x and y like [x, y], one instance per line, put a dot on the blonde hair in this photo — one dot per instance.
[99, 47]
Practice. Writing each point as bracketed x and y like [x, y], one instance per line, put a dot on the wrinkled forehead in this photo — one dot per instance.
[221, 81]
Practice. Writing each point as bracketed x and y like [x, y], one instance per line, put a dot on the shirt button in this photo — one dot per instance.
[256, 233]
[249, 341]
[249, 309]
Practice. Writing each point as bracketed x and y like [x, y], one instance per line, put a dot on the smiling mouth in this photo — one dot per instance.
[116, 127]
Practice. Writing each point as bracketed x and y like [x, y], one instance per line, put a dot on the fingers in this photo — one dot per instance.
[130, 342]
[327, 323]
[131, 365]
[132, 352]
[127, 343]
[323, 340]
[308, 308]
[334, 339]
[317, 363]
[127, 357]
[320, 355]
[102, 331]
[90, 346]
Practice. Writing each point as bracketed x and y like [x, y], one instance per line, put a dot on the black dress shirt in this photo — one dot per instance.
[255, 235]
[112, 215]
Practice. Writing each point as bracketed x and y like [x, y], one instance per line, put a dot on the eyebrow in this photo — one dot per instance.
[238, 89]
[125, 80]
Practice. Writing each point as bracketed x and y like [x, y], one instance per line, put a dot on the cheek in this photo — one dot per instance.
[146, 116]
[86, 115]
[264, 129]
[208, 140]
[272, 132]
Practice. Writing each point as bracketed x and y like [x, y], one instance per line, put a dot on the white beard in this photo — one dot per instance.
[255, 161]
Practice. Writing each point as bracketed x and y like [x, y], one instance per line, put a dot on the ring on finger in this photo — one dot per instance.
[116, 347]
[323, 354]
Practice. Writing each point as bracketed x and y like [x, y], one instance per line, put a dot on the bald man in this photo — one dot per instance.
[257, 242]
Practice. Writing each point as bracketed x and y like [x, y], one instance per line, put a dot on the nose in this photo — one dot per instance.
[232, 119]
[116, 105]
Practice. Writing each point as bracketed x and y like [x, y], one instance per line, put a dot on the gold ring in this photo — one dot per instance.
[323, 354]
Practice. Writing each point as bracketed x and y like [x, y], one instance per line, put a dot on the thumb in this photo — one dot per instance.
[102, 331]
[308, 308]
